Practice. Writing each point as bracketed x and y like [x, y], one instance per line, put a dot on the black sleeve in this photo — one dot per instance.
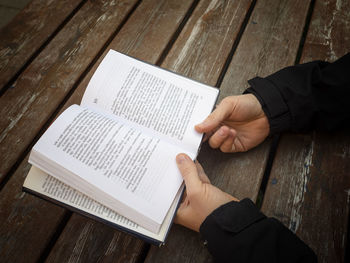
[308, 96]
[239, 232]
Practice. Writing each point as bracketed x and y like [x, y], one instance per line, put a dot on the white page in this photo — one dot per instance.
[147, 180]
[157, 100]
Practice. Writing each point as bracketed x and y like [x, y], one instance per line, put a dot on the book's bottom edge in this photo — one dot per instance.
[143, 237]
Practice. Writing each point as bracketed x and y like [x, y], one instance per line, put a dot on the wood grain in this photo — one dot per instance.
[271, 34]
[27, 223]
[309, 185]
[40, 89]
[201, 50]
[25, 34]
[89, 241]
[328, 37]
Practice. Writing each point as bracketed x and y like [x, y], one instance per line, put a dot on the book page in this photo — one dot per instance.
[155, 99]
[102, 157]
[46, 185]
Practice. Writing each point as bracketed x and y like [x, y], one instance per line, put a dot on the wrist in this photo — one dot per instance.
[272, 104]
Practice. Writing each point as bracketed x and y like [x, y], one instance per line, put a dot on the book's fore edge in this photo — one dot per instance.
[174, 214]
[212, 109]
[168, 70]
[143, 237]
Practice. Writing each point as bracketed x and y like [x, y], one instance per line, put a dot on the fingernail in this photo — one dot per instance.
[198, 126]
[181, 158]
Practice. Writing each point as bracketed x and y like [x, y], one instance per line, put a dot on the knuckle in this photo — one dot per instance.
[226, 101]
[186, 170]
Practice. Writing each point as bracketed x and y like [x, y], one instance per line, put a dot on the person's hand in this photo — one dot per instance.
[201, 197]
[236, 125]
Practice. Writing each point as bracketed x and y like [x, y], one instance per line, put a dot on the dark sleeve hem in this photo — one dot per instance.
[233, 216]
[272, 103]
[239, 232]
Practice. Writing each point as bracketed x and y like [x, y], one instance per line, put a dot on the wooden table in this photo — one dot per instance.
[48, 54]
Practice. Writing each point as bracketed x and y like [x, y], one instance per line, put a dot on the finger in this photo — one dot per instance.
[182, 216]
[219, 137]
[179, 215]
[189, 173]
[222, 111]
[202, 176]
[188, 218]
[228, 145]
[181, 211]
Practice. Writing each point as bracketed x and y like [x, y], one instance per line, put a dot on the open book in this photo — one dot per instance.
[113, 157]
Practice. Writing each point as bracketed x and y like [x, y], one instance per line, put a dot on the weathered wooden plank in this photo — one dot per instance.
[27, 222]
[309, 185]
[25, 34]
[145, 36]
[270, 41]
[328, 37]
[204, 44]
[89, 241]
[308, 191]
[44, 84]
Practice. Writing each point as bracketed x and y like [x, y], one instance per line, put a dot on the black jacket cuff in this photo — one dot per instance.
[239, 232]
[232, 217]
[226, 222]
[275, 108]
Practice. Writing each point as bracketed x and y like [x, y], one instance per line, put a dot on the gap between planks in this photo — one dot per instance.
[305, 30]
[276, 138]
[235, 44]
[38, 51]
[55, 236]
[55, 113]
[177, 33]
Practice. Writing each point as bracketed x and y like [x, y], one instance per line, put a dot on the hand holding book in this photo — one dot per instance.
[202, 198]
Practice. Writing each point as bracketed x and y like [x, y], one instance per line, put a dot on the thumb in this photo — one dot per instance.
[189, 173]
[201, 174]
[222, 111]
